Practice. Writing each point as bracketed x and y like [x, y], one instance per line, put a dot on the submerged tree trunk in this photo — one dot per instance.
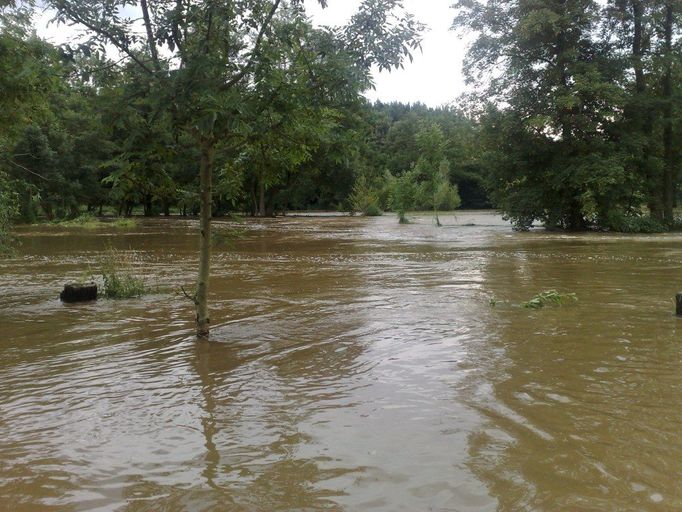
[201, 298]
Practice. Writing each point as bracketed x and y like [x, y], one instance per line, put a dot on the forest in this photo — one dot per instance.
[573, 124]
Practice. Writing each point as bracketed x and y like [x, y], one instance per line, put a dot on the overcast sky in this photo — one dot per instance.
[434, 77]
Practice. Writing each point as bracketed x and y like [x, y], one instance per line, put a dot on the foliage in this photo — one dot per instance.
[120, 282]
[8, 210]
[574, 125]
[403, 195]
[576, 133]
[427, 183]
[634, 223]
[364, 198]
[549, 297]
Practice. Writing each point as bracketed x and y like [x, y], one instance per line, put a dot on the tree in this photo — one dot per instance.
[9, 202]
[645, 40]
[200, 57]
[26, 77]
[557, 101]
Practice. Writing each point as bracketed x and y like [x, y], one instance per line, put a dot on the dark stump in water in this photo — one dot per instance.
[79, 292]
[678, 304]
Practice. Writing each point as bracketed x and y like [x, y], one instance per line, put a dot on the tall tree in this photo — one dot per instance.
[200, 56]
[557, 89]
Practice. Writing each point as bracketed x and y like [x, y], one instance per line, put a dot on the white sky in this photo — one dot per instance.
[434, 77]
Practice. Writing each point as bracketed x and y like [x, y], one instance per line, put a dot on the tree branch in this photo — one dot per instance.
[28, 170]
[150, 35]
[256, 47]
[66, 8]
[192, 298]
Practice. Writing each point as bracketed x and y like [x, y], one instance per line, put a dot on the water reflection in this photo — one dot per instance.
[255, 402]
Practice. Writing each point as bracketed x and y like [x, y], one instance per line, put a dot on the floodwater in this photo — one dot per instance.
[355, 364]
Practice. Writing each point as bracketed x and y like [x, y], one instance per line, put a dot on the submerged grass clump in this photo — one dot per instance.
[89, 221]
[117, 274]
[122, 222]
[549, 297]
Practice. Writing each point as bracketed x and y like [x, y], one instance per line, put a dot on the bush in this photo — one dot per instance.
[119, 280]
[373, 210]
[623, 223]
[364, 198]
[405, 190]
[447, 197]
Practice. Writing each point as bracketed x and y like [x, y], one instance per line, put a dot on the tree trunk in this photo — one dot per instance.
[148, 205]
[206, 172]
[668, 151]
[575, 221]
[643, 116]
[254, 200]
[261, 197]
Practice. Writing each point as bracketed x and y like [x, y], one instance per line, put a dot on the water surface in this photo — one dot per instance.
[355, 364]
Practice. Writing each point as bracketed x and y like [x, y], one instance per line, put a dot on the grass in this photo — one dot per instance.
[549, 297]
[88, 221]
[117, 274]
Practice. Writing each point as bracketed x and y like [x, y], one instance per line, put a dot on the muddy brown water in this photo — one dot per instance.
[356, 364]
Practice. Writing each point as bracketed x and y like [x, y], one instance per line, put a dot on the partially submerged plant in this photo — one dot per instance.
[549, 297]
[228, 235]
[119, 280]
[122, 222]
[364, 198]
[89, 221]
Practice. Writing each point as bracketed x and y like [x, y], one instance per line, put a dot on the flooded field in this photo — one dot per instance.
[355, 364]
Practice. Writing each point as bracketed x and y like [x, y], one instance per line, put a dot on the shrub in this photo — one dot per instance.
[119, 280]
[364, 198]
[405, 190]
[624, 223]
